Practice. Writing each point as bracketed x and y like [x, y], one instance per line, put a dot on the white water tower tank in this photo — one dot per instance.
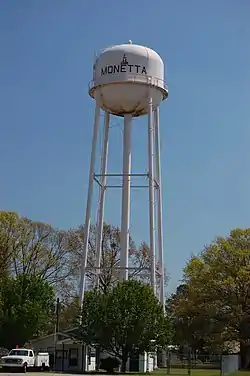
[122, 75]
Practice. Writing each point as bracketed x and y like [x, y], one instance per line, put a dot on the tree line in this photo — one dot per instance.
[35, 248]
[39, 263]
[209, 311]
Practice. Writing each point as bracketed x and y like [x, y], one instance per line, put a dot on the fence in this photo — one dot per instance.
[193, 363]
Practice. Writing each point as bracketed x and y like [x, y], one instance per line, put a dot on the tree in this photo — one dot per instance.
[190, 321]
[125, 319]
[34, 248]
[27, 308]
[7, 226]
[68, 313]
[217, 295]
[139, 257]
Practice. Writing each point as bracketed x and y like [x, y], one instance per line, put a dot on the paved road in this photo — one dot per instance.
[39, 373]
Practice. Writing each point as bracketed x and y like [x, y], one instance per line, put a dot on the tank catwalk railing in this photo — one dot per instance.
[131, 78]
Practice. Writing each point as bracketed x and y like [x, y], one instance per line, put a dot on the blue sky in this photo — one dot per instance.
[46, 115]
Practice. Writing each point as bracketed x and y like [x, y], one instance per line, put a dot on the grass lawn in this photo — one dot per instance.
[163, 372]
[184, 372]
[195, 372]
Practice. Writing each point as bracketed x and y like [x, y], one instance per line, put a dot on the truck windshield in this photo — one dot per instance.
[19, 352]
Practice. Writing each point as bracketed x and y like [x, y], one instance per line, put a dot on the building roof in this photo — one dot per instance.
[65, 333]
[66, 341]
[48, 336]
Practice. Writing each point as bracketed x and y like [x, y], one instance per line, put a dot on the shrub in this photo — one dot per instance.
[109, 364]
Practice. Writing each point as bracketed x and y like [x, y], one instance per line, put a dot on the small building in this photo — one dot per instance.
[66, 354]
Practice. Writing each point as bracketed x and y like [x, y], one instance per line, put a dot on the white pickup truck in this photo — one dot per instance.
[25, 359]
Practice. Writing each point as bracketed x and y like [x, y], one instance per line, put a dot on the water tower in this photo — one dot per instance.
[128, 81]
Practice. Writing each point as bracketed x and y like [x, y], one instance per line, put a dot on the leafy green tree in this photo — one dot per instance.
[27, 307]
[125, 319]
[192, 326]
[216, 302]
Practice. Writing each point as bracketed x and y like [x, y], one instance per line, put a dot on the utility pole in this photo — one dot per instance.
[56, 329]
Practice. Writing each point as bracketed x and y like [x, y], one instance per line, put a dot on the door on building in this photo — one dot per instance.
[73, 358]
